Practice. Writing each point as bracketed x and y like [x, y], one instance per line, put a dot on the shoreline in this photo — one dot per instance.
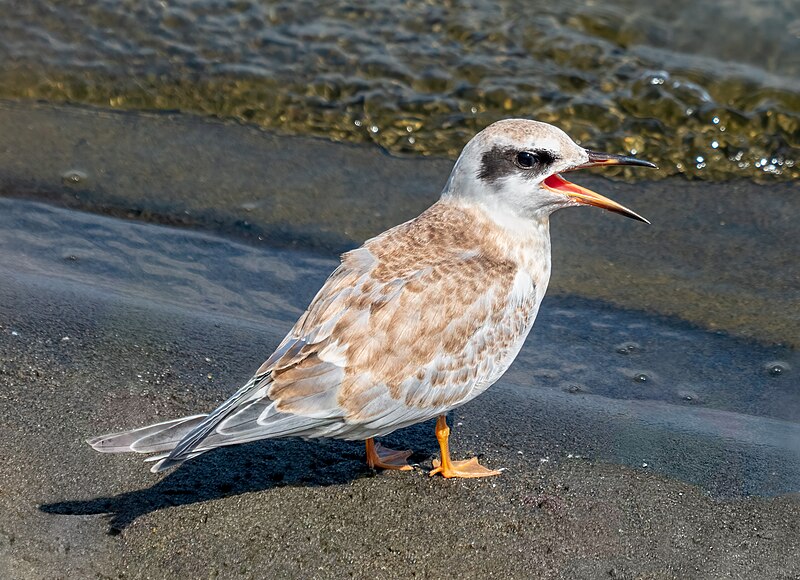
[715, 255]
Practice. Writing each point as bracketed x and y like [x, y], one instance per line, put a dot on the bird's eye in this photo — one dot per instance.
[526, 159]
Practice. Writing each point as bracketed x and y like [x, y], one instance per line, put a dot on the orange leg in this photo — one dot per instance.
[449, 468]
[379, 457]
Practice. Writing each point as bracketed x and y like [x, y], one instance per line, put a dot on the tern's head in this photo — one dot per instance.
[515, 164]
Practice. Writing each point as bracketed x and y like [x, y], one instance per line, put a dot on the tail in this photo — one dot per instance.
[157, 438]
[248, 415]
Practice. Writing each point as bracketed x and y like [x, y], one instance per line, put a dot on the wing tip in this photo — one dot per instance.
[101, 443]
[165, 464]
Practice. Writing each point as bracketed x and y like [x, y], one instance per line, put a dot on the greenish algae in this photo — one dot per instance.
[704, 92]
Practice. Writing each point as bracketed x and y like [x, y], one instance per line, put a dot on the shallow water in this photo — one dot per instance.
[707, 89]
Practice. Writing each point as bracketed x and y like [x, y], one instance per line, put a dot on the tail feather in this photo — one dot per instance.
[277, 425]
[150, 439]
[248, 415]
[164, 462]
[255, 388]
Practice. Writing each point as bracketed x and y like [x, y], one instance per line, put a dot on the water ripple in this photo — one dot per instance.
[708, 91]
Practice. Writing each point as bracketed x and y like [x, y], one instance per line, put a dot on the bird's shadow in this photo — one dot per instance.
[241, 469]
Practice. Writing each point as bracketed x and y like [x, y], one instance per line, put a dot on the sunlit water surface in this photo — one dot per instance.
[710, 89]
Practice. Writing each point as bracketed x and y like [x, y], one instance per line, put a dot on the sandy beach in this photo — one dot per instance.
[109, 323]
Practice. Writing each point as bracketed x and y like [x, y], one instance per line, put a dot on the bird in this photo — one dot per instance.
[418, 321]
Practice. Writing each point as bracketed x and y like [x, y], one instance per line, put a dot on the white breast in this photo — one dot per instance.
[520, 313]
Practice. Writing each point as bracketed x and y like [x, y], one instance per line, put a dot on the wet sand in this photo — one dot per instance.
[106, 324]
[137, 322]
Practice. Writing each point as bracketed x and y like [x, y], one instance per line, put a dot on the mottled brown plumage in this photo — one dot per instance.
[423, 303]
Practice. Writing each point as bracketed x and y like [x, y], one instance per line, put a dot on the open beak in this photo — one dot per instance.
[580, 194]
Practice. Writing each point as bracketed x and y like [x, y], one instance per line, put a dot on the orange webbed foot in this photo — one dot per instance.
[380, 457]
[464, 469]
[449, 468]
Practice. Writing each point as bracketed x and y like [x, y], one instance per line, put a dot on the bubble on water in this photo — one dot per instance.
[777, 368]
[73, 177]
[641, 378]
[689, 397]
[628, 348]
[657, 77]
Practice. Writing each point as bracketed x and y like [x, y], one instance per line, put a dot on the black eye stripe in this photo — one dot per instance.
[498, 163]
[537, 157]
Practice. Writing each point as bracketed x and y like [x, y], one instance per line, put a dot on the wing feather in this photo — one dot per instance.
[410, 325]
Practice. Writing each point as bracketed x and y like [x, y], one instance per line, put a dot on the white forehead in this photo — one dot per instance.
[524, 133]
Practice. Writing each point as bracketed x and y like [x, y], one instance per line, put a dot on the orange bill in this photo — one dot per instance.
[586, 196]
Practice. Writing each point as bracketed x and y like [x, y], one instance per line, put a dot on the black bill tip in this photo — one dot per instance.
[597, 158]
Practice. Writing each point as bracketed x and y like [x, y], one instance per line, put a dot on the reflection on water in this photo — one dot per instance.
[706, 89]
